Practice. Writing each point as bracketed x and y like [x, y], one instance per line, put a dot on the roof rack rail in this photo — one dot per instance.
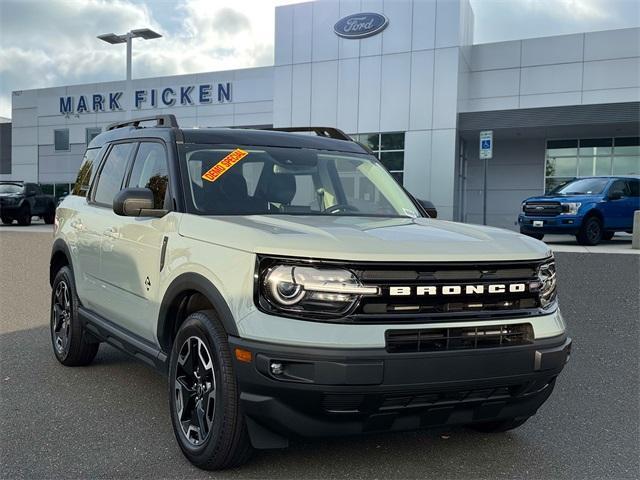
[319, 131]
[161, 121]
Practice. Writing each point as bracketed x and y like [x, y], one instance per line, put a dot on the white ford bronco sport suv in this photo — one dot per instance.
[289, 286]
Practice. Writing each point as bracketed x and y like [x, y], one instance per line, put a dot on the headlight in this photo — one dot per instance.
[547, 288]
[570, 208]
[321, 292]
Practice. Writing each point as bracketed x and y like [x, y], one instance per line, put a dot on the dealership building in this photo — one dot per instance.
[403, 77]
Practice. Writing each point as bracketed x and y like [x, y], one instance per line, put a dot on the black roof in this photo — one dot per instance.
[321, 138]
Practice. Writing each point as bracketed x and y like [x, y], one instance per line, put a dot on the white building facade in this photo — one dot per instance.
[412, 85]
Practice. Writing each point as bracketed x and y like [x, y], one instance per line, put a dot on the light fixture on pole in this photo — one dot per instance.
[127, 38]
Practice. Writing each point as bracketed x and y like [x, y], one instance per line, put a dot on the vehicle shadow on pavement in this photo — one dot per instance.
[111, 419]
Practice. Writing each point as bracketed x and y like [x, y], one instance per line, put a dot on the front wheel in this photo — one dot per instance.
[7, 220]
[590, 232]
[24, 218]
[203, 396]
[499, 426]
[71, 343]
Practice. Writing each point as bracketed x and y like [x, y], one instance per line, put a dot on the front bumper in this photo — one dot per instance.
[330, 392]
[560, 224]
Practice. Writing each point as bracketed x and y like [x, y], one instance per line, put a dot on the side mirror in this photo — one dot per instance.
[136, 202]
[429, 207]
[615, 195]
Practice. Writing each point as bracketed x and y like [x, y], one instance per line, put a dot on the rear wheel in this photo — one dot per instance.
[590, 232]
[50, 216]
[499, 426]
[71, 344]
[24, 218]
[7, 220]
[203, 396]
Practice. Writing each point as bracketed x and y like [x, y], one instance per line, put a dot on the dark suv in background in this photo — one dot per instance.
[591, 208]
[22, 200]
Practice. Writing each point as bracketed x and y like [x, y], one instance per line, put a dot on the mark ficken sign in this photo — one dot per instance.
[203, 94]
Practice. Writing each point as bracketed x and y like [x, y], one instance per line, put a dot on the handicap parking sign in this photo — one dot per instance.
[486, 144]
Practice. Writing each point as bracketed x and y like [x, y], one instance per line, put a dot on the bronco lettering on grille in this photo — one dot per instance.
[429, 290]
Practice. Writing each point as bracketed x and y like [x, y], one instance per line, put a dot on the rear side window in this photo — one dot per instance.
[634, 187]
[112, 173]
[85, 174]
[150, 171]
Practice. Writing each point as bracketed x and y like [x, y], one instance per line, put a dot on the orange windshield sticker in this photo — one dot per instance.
[225, 164]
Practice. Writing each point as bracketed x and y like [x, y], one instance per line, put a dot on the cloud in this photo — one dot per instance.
[53, 42]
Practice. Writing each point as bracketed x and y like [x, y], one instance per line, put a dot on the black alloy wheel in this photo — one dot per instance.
[61, 318]
[590, 232]
[195, 390]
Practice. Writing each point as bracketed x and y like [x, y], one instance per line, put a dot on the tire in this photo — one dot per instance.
[608, 235]
[50, 216]
[499, 425]
[590, 232]
[7, 220]
[24, 217]
[225, 442]
[72, 345]
[537, 236]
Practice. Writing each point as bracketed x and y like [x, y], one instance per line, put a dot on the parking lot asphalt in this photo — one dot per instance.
[110, 420]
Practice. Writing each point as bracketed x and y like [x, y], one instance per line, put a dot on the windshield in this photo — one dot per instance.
[10, 188]
[584, 186]
[227, 180]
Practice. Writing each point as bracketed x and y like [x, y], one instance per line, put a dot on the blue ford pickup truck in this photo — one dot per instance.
[591, 208]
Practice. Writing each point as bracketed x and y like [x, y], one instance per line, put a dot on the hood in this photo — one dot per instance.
[363, 238]
[566, 198]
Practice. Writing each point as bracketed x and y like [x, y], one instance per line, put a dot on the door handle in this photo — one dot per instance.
[111, 232]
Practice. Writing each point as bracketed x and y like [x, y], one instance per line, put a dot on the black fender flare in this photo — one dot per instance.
[59, 246]
[195, 282]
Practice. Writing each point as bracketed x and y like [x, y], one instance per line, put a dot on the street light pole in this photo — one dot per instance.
[127, 38]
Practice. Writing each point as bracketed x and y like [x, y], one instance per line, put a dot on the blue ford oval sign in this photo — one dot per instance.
[360, 25]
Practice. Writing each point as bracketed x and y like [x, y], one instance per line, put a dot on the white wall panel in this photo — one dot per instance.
[282, 96]
[395, 92]
[348, 48]
[550, 50]
[442, 174]
[417, 161]
[371, 45]
[325, 42]
[552, 78]
[348, 94]
[612, 44]
[253, 119]
[324, 93]
[24, 136]
[445, 88]
[421, 103]
[611, 96]
[494, 83]
[252, 107]
[397, 35]
[622, 73]
[27, 173]
[550, 99]
[491, 56]
[492, 103]
[369, 98]
[447, 23]
[24, 117]
[302, 21]
[23, 155]
[283, 46]
[301, 95]
[24, 98]
[424, 24]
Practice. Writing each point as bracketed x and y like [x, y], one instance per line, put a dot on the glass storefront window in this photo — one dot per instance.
[388, 148]
[46, 188]
[567, 159]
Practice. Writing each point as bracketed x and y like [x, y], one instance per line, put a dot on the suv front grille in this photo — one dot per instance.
[462, 338]
[458, 302]
[542, 209]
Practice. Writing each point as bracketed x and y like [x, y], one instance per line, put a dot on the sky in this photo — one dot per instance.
[46, 43]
